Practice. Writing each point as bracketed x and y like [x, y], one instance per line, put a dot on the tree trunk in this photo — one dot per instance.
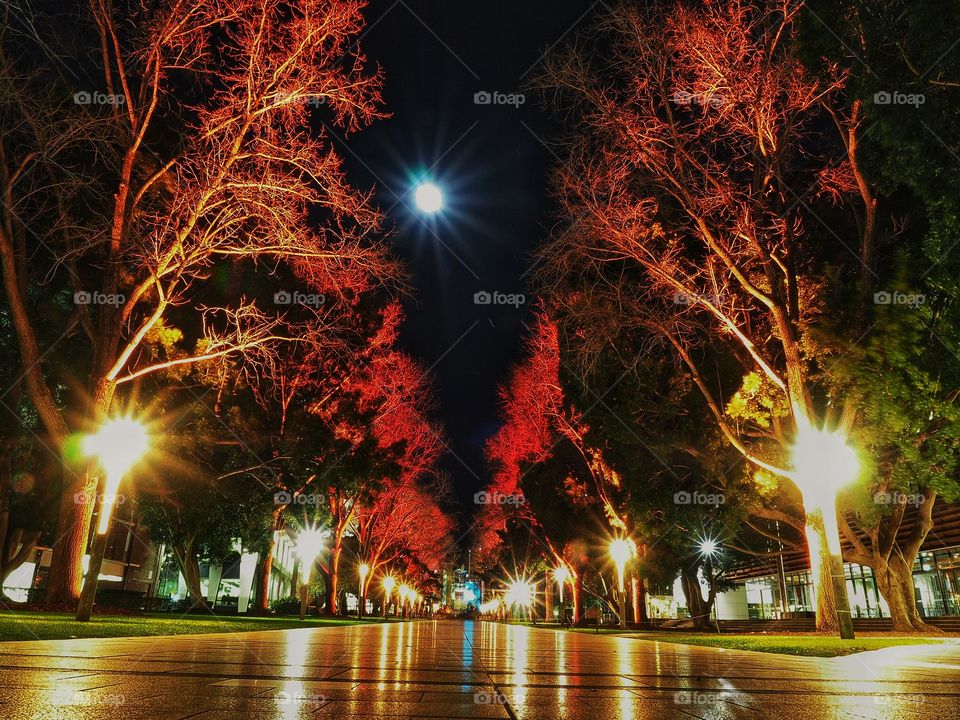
[895, 582]
[65, 577]
[690, 583]
[190, 566]
[333, 577]
[819, 550]
[576, 599]
[261, 605]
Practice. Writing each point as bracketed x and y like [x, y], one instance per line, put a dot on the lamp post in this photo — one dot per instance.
[404, 593]
[388, 584]
[363, 570]
[118, 445]
[561, 575]
[823, 463]
[309, 543]
[621, 551]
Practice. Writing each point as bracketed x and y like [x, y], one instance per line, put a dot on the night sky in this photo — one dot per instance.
[491, 162]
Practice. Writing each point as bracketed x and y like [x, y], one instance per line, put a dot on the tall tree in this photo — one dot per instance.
[197, 155]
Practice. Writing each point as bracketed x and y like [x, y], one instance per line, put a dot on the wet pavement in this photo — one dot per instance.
[451, 669]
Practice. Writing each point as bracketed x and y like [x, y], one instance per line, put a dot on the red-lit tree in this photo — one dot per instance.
[201, 159]
[379, 416]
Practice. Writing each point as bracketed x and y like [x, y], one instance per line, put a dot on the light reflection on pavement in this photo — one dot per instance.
[461, 670]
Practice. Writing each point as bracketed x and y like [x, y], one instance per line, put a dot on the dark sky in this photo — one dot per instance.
[490, 161]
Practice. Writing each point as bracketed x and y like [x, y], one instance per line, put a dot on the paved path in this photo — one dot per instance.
[460, 670]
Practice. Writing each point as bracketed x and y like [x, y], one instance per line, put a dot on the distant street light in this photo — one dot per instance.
[309, 544]
[621, 552]
[561, 575]
[708, 547]
[363, 570]
[388, 584]
[118, 446]
[521, 592]
[823, 463]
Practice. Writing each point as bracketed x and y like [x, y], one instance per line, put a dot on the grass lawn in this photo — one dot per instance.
[787, 644]
[57, 626]
[811, 645]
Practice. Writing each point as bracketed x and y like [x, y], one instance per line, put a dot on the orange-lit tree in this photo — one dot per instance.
[685, 188]
[199, 159]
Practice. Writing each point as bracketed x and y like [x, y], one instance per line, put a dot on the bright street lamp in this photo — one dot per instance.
[521, 592]
[388, 584]
[708, 547]
[823, 463]
[118, 446]
[621, 552]
[363, 570]
[561, 575]
[308, 545]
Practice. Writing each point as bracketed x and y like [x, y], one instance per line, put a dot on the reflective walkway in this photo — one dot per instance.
[461, 670]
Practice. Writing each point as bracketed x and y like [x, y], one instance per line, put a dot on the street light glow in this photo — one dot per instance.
[520, 592]
[708, 546]
[428, 197]
[620, 551]
[823, 463]
[309, 543]
[118, 445]
[561, 575]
